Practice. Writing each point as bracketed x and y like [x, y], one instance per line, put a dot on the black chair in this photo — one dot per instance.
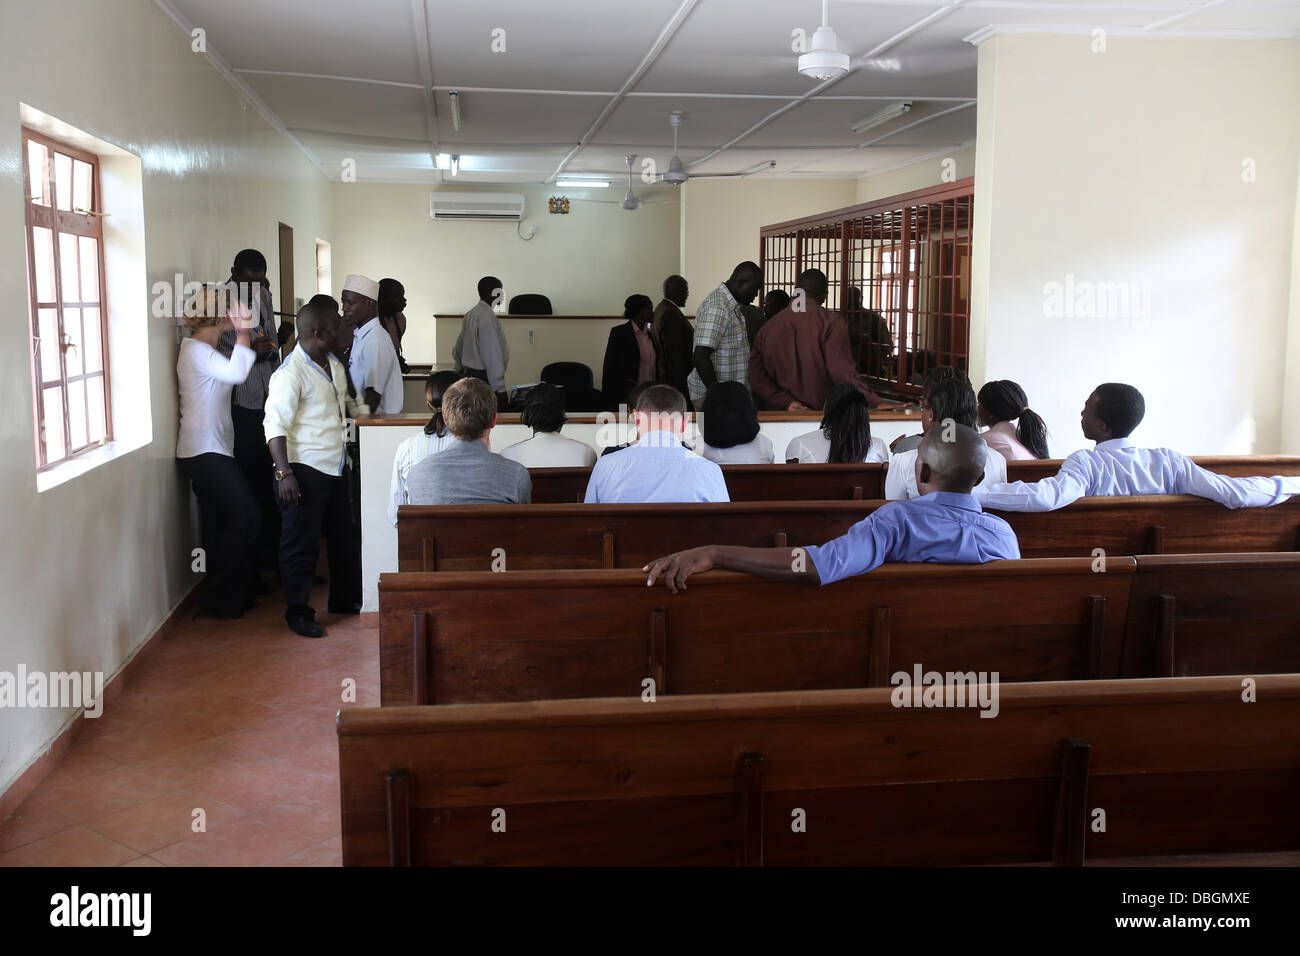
[581, 400]
[569, 375]
[530, 303]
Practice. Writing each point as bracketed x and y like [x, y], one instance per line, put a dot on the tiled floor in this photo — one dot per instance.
[234, 718]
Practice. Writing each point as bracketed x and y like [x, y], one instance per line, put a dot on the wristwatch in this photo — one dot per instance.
[281, 475]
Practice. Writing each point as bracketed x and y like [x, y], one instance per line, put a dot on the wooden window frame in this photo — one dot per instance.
[87, 223]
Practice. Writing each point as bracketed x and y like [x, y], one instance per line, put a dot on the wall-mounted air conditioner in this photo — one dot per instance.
[505, 207]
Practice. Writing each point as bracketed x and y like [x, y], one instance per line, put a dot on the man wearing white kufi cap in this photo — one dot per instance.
[372, 362]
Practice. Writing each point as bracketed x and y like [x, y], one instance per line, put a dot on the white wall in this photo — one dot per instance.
[1290, 443]
[93, 566]
[588, 262]
[721, 219]
[919, 175]
[1126, 166]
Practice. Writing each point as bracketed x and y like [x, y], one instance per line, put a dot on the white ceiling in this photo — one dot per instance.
[582, 84]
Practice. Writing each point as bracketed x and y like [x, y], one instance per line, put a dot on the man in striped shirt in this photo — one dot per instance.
[721, 337]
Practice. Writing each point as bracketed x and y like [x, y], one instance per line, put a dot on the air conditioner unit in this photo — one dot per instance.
[504, 207]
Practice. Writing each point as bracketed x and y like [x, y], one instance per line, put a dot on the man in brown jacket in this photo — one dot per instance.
[802, 351]
[674, 334]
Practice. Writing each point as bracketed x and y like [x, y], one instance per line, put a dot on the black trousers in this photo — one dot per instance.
[255, 460]
[323, 509]
[230, 518]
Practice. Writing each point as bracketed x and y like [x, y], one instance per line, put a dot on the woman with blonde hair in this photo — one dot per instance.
[205, 450]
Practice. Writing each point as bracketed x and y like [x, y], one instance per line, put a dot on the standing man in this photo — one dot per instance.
[372, 362]
[721, 338]
[392, 315]
[803, 351]
[307, 414]
[481, 351]
[674, 335]
[247, 284]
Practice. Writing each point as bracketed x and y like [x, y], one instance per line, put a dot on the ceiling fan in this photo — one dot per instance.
[630, 201]
[677, 174]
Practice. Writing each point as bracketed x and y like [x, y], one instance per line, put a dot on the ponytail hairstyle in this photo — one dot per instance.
[1006, 401]
[544, 410]
[847, 424]
[434, 386]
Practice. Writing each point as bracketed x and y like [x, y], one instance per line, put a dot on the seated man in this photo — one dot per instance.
[948, 404]
[658, 467]
[1116, 466]
[945, 524]
[467, 471]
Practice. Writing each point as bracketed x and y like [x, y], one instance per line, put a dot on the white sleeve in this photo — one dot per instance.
[1068, 485]
[397, 487]
[792, 450]
[231, 370]
[281, 404]
[902, 467]
[1255, 492]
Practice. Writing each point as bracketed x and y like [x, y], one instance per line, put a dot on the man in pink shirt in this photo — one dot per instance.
[802, 351]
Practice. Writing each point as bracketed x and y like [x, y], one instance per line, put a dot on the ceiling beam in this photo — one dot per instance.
[219, 63]
[420, 14]
[1162, 23]
[876, 50]
[647, 61]
[884, 136]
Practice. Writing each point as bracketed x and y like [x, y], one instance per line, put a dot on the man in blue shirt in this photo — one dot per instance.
[658, 467]
[945, 524]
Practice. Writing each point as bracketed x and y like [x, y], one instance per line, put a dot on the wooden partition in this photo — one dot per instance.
[1234, 466]
[523, 635]
[744, 483]
[572, 536]
[1180, 767]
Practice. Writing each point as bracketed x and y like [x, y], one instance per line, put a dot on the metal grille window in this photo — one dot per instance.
[65, 275]
[899, 274]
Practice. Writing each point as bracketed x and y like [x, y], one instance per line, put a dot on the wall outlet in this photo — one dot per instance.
[530, 337]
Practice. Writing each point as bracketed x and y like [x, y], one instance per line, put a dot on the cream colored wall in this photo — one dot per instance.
[588, 262]
[1126, 166]
[91, 567]
[920, 175]
[721, 219]
[1290, 443]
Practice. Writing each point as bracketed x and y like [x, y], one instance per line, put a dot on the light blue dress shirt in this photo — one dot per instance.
[657, 468]
[1119, 467]
[942, 526]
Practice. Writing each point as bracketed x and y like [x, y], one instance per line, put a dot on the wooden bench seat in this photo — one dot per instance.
[1178, 767]
[572, 536]
[744, 483]
[523, 635]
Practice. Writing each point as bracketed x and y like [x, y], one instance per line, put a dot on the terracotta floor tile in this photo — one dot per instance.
[31, 822]
[78, 846]
[101, 795]
[329, 853]
[141, 861]
[165, 820]
[253, 843]
[79, 763]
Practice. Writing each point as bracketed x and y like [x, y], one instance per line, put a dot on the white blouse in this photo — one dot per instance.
[206, 378]
[756, 452]
[551, 450]
[813, 448]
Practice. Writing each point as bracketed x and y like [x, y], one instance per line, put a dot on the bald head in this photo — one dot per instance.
[745, 281]
[676, 290]
[317, 324]
[951, 458]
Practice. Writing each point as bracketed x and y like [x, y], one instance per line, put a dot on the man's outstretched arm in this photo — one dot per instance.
[777, 564]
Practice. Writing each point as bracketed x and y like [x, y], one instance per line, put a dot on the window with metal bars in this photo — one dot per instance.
[898, 271]
[65, 276]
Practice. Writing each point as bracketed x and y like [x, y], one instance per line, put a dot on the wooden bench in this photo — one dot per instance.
[572, 536]
[451, 638]
[1213, 614]
[744, 483]
[1234, 466]
[1178, 767]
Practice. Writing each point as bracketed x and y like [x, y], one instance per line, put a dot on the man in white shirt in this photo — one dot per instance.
[373, 364]
[481, 350]
[947, 402]
[307, 412]
[1117, 466]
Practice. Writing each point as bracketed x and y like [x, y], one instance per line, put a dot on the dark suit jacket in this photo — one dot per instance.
[675, 337]
[622, 360]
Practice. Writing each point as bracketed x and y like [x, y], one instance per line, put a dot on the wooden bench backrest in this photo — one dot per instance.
[570, 536]
[744, 483]
[1214, 614]
[521, 635]
[1235, 466]
[827, 777]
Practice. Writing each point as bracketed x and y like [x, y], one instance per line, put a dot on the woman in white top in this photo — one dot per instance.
[544, 414]
[844, 435]
[1001, 404]
[205, 451]
[729, 427]
[414, 450]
